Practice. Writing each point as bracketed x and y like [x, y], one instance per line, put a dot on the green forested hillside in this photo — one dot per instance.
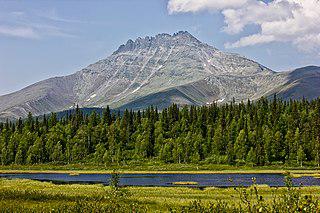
[260, 133]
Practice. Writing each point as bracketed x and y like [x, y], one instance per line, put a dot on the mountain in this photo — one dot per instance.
[160, 70]
[301, 83]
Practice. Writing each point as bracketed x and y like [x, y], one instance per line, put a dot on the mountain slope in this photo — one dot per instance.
[46, 96]
[159, 70]
[302, 83]
[215, 88]
[151, 65]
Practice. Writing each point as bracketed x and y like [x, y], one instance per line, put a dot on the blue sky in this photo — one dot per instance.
[42, 39]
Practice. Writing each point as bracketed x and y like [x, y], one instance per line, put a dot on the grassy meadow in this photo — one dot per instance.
[155, 167]
[33, 196]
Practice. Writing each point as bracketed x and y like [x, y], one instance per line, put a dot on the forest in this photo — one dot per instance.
[264, 132]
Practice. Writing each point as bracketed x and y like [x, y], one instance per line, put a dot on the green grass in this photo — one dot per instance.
[132, 166]
[33, 196]
[155, 167]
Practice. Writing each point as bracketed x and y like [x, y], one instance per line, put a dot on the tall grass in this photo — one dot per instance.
[291, 200]
[33, 196]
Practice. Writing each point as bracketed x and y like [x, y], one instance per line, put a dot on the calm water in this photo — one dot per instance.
[204, 180]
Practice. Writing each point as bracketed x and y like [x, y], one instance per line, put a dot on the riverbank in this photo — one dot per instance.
[294, 173]
[154, 168]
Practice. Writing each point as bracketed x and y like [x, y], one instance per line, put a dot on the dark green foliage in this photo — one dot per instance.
[260, 133]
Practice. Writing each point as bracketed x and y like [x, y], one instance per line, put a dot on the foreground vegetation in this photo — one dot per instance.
[262, 133]
[33, 196]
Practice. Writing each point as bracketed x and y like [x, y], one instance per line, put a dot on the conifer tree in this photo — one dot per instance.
[301, 156]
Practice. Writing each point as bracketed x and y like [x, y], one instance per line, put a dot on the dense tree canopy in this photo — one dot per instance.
[258, 133]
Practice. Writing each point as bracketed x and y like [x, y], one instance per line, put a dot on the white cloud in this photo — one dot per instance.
[295, 21]
[24, 25]
[251, 40]
[176, 6]
[53, 16]
[309, 43]
[258, 13]
[22, 32]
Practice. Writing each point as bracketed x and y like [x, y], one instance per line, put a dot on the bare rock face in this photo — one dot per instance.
[159, 70]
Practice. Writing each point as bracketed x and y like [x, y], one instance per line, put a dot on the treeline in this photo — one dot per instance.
[257, 133]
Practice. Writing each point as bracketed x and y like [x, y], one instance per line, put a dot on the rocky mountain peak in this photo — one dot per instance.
[184, 34]
[163, 39]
